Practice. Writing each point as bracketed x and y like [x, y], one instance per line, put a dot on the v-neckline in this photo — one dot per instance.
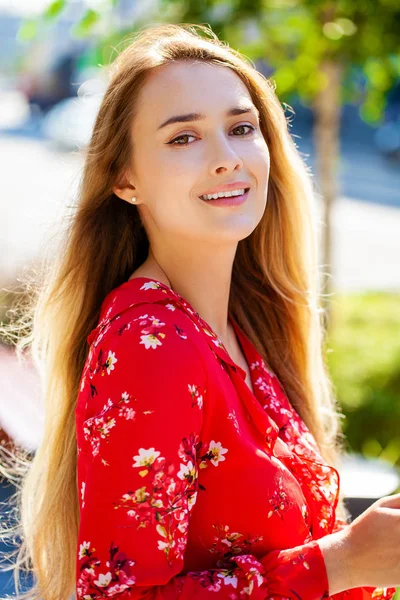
[267, 420]
[247, 353]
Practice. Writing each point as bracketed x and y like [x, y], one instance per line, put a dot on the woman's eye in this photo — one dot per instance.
[251, 128]
[174, 142]
[185, 135]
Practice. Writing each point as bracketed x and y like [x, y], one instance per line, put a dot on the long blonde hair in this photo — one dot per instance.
[274, 295]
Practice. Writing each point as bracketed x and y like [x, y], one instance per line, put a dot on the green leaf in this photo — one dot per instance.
[54, 9]
[372, 109]
[371, 448]
[391, 452]
[285, 79]
[27, 31]
[89, 19]
[378, 74]
[394, 61]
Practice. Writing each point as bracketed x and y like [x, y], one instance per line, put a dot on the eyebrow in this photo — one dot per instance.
[232, 112]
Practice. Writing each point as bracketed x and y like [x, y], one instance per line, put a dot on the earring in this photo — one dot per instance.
[134, 199]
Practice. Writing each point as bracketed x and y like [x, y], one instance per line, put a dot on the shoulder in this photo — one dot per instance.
[148, 325]
[149, 348]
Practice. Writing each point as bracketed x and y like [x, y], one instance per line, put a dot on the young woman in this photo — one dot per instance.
[191, 430]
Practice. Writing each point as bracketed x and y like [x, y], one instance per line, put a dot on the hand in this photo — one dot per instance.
[372, 545]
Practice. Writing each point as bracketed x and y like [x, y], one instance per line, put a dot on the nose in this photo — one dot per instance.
[223, 156]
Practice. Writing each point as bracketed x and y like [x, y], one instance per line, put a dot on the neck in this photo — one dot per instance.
[207, 290]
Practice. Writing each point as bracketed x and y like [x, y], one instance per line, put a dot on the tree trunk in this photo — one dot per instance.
[327, 111]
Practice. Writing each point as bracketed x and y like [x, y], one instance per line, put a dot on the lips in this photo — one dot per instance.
[229, 200]
[245, 188]
[227, 187]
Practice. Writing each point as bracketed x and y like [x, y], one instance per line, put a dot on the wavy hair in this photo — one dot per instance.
[274, 295]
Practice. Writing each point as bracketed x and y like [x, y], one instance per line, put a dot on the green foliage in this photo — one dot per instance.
[363, 356]
[293, 36]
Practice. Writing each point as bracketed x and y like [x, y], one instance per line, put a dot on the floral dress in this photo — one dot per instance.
[191, 486]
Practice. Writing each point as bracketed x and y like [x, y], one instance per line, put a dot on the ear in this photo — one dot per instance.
[124, 189]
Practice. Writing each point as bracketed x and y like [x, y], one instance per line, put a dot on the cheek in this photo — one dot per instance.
[173, 180]
[174, 176]
[172, 206]
[262, 154]
[262, 168]
[170, 189]
[174, 158]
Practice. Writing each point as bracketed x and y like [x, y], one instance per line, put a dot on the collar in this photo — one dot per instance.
[142, 290]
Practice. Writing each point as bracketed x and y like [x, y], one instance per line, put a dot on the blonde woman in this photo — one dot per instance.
[191, 432]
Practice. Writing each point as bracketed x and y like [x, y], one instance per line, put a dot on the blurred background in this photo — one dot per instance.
[336, 66]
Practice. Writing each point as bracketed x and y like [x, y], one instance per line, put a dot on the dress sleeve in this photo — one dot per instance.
[139, 418]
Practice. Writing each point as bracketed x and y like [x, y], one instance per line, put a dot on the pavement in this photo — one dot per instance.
[365, 245]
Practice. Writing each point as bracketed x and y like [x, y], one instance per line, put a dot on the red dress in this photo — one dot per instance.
[190, 486]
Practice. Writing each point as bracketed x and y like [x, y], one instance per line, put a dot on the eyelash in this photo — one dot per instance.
[172, 142]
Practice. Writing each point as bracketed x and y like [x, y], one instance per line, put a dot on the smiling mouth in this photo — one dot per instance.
[228, 200]
[246, 189]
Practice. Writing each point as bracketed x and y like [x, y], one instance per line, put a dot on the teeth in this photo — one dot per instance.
[223, 195]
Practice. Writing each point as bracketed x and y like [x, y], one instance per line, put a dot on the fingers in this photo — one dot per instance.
[392, 501]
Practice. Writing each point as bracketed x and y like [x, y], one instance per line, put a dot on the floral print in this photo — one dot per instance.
[214, 455]
[99, 427]
[163, 500]
[116, 580]
[228, 544]
[279, 501]
[189, 484]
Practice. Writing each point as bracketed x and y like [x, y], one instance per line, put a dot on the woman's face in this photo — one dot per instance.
[172, 165]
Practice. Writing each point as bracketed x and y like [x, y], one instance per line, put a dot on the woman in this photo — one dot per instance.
[190, 425]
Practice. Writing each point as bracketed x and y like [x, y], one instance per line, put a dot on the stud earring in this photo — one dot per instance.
[134, 199]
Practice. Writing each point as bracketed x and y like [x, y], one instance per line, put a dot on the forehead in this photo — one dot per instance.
[187, 86]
